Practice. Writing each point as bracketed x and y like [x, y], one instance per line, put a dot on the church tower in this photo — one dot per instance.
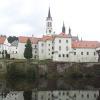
[69, 32]
[63, 28]
[49, 23]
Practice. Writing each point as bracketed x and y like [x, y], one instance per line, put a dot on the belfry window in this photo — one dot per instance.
[49, 31]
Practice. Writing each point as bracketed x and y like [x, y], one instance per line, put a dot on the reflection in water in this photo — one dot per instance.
[53, 95]
[66, 95]
[59, 89]
[49, 84]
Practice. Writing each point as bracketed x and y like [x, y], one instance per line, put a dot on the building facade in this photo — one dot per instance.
[4, 46]
[62, 47]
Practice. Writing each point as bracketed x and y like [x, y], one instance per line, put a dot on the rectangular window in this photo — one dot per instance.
[59, 41]
[67, 48]
[75, 95]
[63, 93]
[63, 55]
[66, 41]
[42, 97]
[82, 95]
[41, 51]
[59, 55]
[67, 55]
[81, 53]
[48, 24]
[49, 49]
[35, 46]
[42, 44]
[74, 53]
[87, 53]
[35, 57]
[94, 53]
[59, 47]
[0, 66]
[59, 93]
[94, 95]
[67, 93]
[87, 95]
[49, 44]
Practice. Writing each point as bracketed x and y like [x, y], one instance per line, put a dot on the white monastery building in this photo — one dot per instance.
[60, 47]
[4, 46]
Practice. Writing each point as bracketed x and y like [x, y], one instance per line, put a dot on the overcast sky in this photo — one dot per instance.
[27, 17]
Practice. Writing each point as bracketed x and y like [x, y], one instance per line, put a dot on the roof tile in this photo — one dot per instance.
[2, 39]
[23, 39]
[85, 44]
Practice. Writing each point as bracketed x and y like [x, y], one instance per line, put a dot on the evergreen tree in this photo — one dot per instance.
[12, 39]
[28, 50]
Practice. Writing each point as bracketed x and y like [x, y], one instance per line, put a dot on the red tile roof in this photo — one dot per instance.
[2, 39]
[52, 37]
[46, 37]
[85, 44]
[75, 44]
[23, 39]
[62, 35]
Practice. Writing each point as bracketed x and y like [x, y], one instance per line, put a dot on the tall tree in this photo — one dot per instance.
[12, 39]
[28, 50]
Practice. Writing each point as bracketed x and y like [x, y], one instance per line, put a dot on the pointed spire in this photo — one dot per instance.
[63, 28]
[49, 14]
[69, 32]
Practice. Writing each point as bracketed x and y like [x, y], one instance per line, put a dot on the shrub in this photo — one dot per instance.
[76, 75]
